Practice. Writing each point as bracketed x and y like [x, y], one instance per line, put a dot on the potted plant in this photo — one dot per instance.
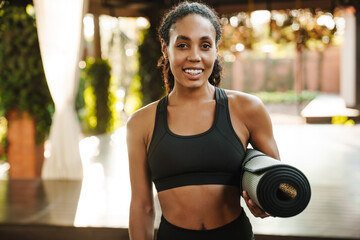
[24, 95]
[99, 117]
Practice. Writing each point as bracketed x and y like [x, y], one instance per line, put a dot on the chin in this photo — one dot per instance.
[195, 84]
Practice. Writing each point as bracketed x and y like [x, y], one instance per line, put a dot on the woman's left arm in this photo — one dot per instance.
[260, 135]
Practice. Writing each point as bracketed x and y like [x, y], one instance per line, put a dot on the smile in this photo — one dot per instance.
[193, 71]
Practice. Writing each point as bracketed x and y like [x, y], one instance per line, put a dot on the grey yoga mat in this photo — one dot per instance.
[278, 188]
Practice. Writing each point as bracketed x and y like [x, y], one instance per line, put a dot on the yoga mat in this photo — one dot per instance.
[278, 188]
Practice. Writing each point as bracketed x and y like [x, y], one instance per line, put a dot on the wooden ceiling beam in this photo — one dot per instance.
[273, 5]
[137, 8]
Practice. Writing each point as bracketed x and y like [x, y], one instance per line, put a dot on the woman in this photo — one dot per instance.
[192, 142]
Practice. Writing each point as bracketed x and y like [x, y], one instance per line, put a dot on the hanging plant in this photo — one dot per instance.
[22, 80]
[98, 96]
[152, 86]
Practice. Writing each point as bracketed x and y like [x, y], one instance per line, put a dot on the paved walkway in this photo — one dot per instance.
[329, 155]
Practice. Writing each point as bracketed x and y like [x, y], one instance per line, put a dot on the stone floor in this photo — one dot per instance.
[329, 155]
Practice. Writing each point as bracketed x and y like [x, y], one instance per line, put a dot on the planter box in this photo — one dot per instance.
[24, 155]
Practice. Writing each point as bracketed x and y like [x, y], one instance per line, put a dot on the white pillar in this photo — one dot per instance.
[348, 61]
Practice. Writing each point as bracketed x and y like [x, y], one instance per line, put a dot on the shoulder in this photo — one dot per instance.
[248, 109]
[143, 115]
[244, 103]
[142, 121]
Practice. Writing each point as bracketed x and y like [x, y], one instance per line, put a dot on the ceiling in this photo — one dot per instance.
[137, 8]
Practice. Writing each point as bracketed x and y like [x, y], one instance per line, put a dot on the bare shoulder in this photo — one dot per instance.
[142, 121]
[143, 113]
[244, 103]
[250, 110]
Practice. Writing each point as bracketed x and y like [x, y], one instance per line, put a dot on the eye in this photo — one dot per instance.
[206, 46]
[181, 45]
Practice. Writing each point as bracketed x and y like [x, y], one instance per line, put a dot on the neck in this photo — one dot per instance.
[185, 95]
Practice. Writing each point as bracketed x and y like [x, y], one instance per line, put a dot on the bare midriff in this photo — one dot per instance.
[200, 207]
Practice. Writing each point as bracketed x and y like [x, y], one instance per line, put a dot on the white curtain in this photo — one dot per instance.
[59, 24]
[348, 60]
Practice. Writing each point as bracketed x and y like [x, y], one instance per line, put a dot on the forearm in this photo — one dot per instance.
[141, 222]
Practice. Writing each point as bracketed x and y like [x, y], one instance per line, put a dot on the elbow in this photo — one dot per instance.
[149, 210]
[146, 208]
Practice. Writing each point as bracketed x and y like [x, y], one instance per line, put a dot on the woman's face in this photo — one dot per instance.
[192, 51]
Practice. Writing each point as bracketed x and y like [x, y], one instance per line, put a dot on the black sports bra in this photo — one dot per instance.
[211, 157]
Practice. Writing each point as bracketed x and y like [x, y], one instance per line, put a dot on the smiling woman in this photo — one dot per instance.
[191, 51]
[212, 25]
[192, 142]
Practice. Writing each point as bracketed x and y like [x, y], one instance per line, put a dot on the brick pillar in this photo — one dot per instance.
[24, 155]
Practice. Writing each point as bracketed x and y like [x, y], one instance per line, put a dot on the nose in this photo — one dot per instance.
[194, 55]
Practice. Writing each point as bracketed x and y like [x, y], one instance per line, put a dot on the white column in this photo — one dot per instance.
[348, 61]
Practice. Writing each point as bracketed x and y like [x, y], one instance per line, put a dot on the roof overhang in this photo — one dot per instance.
[137, 8]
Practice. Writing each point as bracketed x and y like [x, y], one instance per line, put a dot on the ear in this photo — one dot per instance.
[164, 49]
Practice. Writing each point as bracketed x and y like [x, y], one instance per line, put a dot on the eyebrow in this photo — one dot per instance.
[182, 37]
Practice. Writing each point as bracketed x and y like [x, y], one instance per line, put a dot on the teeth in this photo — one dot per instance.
[193, 71]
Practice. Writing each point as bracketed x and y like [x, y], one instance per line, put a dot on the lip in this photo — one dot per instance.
[193, 76]
[193, 68]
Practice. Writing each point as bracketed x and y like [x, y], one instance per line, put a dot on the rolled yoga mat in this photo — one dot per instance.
[278, 188]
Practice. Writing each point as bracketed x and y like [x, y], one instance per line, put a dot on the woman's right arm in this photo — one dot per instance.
[142, 213]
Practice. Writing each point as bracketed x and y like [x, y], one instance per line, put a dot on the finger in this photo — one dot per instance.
[263, 216]
[253, 208]
[246, 196]
[250, 203]
[256, 210]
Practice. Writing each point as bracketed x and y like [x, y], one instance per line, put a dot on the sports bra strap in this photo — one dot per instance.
[162, 105]
[159, 128]
[222, 110]
[221, 97]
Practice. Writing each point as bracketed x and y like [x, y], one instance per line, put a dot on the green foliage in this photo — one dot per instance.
[115, 121]
[98, 97]
[80, 99]
[133, 99]
[152, 86]
[3, 131]
[308, 34]
[89, 120]
[298, 28]
[22, 80]
[4, 195]
[286, 97]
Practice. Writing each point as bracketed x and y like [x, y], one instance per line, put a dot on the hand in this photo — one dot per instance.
[254, 209]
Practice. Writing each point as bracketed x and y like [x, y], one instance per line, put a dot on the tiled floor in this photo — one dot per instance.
[329, 155]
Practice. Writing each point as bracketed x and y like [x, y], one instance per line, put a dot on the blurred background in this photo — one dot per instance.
[72, 72]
